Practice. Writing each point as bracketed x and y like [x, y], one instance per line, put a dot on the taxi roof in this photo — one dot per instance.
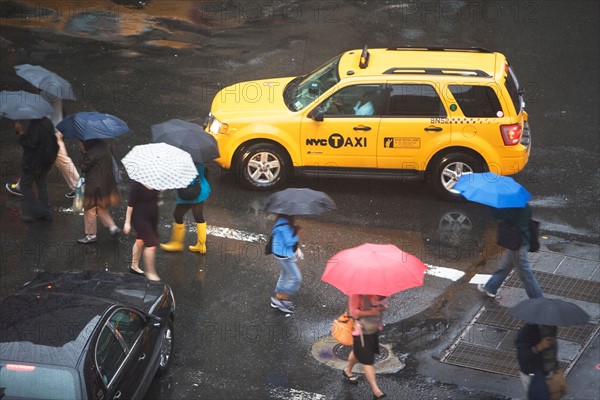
[475, 62]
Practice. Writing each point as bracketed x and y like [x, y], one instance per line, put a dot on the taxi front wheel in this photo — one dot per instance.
[263, 166]
[448, 169]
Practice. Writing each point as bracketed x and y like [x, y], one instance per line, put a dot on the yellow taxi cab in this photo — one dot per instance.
[411, 113]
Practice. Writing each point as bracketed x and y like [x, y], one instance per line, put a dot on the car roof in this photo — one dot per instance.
[51, 318]
[381, 61]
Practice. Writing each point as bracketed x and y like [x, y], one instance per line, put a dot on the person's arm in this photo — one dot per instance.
[127, 225]
[356, 312]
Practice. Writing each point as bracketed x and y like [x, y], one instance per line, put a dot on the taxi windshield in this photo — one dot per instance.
[305, 89]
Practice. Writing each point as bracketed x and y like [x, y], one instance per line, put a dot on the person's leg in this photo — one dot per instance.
[90, 225]
[532, 287]
[349, 366]
[506, 264]
[29, 199]
[198, 213]
[107, 220]
[149, 265]
[290, 277]
[136, 254]
[178, 233]
[370, 375]
[43, 207]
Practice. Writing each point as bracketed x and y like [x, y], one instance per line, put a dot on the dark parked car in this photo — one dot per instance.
[85, 335]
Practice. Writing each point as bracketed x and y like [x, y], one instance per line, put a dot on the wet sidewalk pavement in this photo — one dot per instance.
[483, 355]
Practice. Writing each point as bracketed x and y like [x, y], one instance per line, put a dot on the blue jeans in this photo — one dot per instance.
[290, 277]
[515, 259]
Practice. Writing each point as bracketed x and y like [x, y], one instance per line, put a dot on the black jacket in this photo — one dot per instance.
[40, 146]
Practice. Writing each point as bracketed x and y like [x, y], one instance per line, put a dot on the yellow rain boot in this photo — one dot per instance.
[176, 243]
[200, 247]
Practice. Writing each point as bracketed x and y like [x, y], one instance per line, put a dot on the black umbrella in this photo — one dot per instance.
[544, 311]
[187, 136]
[299, 202]
[22, 105]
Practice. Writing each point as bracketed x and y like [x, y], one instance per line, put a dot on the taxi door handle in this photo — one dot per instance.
[362, 128]
[433, 129]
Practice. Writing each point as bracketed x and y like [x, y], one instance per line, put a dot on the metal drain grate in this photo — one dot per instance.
[495, 315]
[343, 352]
[560, 285]
[486, 359]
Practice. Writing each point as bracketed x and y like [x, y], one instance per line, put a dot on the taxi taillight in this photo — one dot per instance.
[511, 134]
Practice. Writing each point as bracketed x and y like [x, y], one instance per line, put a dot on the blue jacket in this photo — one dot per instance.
[284, 239]
[204, 188]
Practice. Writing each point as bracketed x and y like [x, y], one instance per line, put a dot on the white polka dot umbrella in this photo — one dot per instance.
[160, 166]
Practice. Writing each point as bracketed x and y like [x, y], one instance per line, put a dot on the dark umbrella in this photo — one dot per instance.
[51, 85]
[92, 125]
[299, 202]
[22, 105]
[544, 311]
[187, 136]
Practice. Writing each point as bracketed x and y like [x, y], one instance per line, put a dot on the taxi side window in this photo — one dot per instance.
[363, 100]
[477, 101]
[414, 100]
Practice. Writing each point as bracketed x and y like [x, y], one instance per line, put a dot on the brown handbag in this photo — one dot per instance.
[342, 328]
[557, 384]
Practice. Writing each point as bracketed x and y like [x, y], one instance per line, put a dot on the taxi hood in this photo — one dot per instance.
[250, 98]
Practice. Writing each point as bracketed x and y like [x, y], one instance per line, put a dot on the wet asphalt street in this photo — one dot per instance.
[148, 62]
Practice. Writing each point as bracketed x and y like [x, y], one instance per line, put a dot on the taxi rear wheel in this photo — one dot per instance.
[263, 166]
[448, 169]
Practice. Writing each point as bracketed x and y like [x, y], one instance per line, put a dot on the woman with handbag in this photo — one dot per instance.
[367, 310]
[200, 189]
[517, 222]
[100, 190]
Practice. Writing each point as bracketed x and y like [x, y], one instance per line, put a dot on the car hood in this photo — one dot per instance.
[250, 98]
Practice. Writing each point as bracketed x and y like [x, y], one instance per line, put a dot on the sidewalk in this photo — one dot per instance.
[482, 355]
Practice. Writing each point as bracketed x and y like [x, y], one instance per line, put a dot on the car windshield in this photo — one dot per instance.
[305, 89]
[36, 381]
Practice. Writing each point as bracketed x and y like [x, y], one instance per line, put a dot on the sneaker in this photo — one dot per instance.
[286, 306]
[87, 239]
[482, 289]
[275, 302]
[70, 195]
[14, 189]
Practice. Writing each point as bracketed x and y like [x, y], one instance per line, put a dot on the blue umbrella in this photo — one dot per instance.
[92, 125]
[492, 190]
[22, 105]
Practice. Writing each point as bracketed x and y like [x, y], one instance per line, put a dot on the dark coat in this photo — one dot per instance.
[516, 216]
[40, 146]
[527, 337]
[100, 186]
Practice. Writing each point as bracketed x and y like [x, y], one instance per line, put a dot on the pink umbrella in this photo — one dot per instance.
[381, 269]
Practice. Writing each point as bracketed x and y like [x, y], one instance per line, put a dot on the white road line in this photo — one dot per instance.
[293, 394]
[228, 233]
[444, 272]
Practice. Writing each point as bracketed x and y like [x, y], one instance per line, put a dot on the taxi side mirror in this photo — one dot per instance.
[316, 114]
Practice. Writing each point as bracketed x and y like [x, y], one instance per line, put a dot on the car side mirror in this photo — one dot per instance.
[154, 320]
[316, 114]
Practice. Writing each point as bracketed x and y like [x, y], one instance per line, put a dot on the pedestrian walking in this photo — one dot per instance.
[520, 218]
[537, 351]
[63, 163]
[196, 204]
[142, 215]
[100, 190]
[286, 252]
[39, 153]
[367, 310]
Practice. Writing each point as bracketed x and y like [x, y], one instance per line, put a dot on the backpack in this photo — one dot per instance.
[269, 245]
[192, 191]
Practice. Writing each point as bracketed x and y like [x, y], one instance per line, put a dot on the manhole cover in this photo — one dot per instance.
[343, 352]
